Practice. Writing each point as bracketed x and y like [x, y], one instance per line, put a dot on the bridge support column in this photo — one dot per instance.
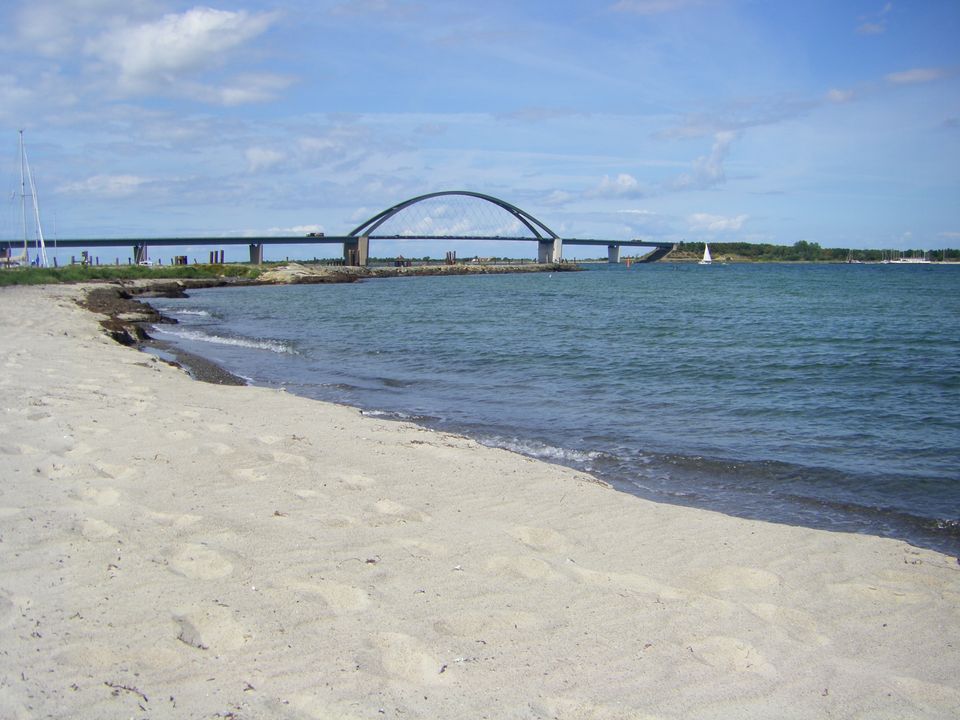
[139, 254]
[613, 254]
[549, 251]
[256, 254]
[356, 251]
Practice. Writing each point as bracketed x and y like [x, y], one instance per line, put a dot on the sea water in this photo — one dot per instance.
[817, 395]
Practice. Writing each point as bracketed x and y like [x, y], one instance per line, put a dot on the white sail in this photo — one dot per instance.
[26, 177]
[706, 255]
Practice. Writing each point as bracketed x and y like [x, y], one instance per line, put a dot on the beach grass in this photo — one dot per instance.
[87, 273]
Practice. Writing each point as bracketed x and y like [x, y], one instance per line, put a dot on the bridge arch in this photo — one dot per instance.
[539, 230]
[356, 248]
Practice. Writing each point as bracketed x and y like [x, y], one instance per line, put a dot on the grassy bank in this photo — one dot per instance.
[801, 251]
[80, 273]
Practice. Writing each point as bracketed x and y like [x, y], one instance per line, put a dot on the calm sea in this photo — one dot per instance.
[824, 396]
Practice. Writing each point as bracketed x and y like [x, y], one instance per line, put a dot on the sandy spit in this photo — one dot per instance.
[172, 549]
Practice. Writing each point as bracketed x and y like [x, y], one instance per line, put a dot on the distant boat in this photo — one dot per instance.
[912, 260]
[707, 260]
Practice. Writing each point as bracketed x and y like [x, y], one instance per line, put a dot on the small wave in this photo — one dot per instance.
[585, 459]
[168, 310]
[397, 415]
[256, 344]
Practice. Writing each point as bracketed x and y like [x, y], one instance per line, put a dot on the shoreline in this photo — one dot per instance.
[181, 550]
[928, 532]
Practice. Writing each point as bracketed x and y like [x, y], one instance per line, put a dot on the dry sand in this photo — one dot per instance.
[171, 549]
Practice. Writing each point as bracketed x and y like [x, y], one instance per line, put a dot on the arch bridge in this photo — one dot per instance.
[490, 218]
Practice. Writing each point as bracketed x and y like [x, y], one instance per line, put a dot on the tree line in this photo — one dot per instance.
[803, 250]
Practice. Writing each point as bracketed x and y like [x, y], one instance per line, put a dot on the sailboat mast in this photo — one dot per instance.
[42, 252]
[41, 246]
[23, 201]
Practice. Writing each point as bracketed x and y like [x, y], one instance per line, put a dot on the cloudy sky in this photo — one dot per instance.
[755, 120]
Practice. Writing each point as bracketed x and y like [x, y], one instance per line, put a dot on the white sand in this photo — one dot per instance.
[171, 549]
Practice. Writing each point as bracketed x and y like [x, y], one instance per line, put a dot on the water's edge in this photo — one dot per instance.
[822, 513]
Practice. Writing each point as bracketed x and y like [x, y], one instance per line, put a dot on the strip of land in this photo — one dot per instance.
[173, 549]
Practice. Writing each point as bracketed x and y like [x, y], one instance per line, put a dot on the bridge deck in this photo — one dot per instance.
[298, 240]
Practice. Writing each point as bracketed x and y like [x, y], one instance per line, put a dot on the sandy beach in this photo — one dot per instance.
[175, 549]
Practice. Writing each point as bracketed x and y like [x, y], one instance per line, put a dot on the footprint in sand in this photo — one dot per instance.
[531, 568]
[216, 448]
[289, 459]
[475, 624]
[18, 449]
[103, 498]
[422, 548]
[391, 509]
[738, 580]
[79, 449]
[627, 581]
[341, 599]
[557, 707]
[729, 654]
[338, 521]
[405, 658]
[7, 609]
[115, 472]
[249, 474]
[357, 481]
[173, 520]
[543, 539]
[93, 529]
[934, 697]
[197, 562]
[797, 625]
[211, 628]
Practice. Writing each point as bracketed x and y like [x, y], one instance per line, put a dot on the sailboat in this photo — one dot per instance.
[26, 178]
[707, 260]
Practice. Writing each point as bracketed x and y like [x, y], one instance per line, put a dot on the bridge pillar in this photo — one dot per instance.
[139, 254]
[549, 251]
[356, 251]
[256, 254]
[613, 254]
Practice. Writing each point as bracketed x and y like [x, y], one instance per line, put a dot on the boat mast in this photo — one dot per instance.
[41, 247]
[23, 201]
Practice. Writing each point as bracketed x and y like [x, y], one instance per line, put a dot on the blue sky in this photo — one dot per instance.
[718, 120]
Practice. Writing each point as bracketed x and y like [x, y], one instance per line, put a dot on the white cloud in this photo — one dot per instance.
[11, 92]
[875, 23]
[558, 197]
[870, 28]
[161, 54]
[708, 170]
[917, 75]
[56, 28]
[244, 89]
[263, 158]
[715, 223]
[623, 185]
[105, 186]
[840, 96]
[295, 230]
